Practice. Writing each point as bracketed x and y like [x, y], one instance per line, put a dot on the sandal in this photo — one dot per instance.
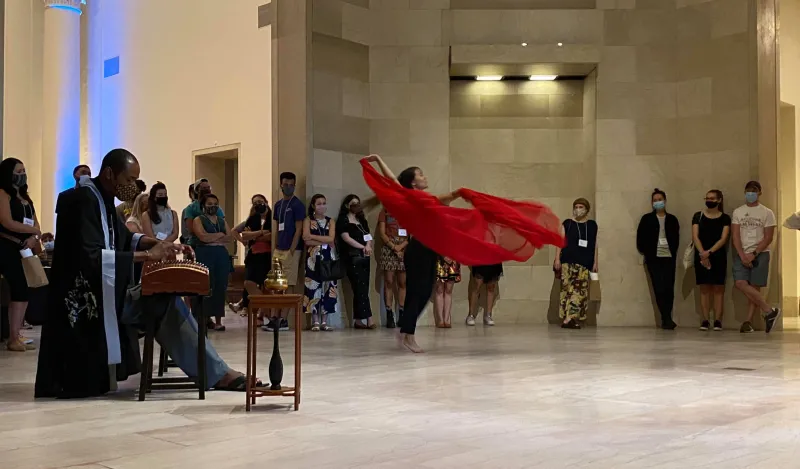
[219, 328]
[315, 327]
[239, 384]
[326, 328]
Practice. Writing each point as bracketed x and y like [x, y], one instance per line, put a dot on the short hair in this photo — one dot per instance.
[753, 185]
[584, 202]
[288, 175]
[658, 191]
[80, 167]
[206, 197]
[118, 160]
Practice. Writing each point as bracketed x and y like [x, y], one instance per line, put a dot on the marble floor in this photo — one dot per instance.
[505, 397]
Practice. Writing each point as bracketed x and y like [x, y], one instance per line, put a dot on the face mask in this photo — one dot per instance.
[211, 210]
[659, 205]
[261, 209]
[355, 208]
[287, 190]
[19, 180]
[322, 209]
[49, 245]
[751, 197]
[126, 192]
[711, 204]
[579, 212]
[162, 201]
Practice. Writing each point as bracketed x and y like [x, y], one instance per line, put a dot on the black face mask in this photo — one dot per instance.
[711, 204]
[261, 209]
[355, 209]
[211, 210]
[161, 201]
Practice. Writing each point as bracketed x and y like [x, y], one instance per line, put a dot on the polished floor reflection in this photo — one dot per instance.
[506, 397]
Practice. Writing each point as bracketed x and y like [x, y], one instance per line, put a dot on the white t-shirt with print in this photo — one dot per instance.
[752, 221]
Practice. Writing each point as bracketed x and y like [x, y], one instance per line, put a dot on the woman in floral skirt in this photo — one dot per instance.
[448, 273]
[319, 233]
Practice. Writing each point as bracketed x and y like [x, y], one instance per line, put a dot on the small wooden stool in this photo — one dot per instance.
[266, 302]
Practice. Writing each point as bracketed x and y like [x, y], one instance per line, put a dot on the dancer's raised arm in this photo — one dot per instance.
[382, 165]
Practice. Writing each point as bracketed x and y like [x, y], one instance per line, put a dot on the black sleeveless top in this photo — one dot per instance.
[19, 212]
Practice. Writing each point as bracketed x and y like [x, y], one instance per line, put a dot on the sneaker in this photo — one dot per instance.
[25, 340]
[704, 326]
[470, 320]
[488, 321]
[747, 328]
[269, 326]
[717, 325]
[284, 325]
[27, 326]
[770, 318]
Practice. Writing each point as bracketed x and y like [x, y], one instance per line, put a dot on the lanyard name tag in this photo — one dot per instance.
[402, 232]
[584, 243]
[324, 246]
[662, 242]
[367, 237]
[27, 221]
[280, 226]
[161, 236]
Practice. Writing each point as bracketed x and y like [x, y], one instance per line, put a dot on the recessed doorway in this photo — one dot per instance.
[220, 165]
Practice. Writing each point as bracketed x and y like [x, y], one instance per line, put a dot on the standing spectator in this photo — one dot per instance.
[212, 234]
[574, 262]
[319, 234]
[159, 221]
[488, 275]
[186, 223]
[753, 228]
[256, 234]
[288, 219]
[19, 230]
[49, 244]
[657, 239]
[355, 242]
[395, 241]
[710, 231]
[448, 274]
[134, 221]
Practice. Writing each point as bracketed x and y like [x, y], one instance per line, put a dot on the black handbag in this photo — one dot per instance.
[330, 269]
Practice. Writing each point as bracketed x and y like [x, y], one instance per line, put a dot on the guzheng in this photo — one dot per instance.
[183, 277]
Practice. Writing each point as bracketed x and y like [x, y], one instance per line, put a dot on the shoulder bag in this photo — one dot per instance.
[688, 254]
[35, 275]
[330, 269]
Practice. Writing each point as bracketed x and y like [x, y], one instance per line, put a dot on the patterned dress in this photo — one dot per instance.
[448, 272]
[320, 297]
[574, 291]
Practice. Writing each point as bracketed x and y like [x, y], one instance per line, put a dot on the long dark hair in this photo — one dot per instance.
[718, 193]
[152, 207]
[7, 177]
[406, 178]
[254, 219]
[311, 209]
[203, 200]
[342, 220]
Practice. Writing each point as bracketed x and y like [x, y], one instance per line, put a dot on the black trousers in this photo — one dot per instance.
[662, 276]
[358, 274]
[420, 265]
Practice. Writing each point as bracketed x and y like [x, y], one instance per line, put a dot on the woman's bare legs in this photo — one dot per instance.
[16, 316]
[448, 304]
[474, 289]
[491, 293]
[388, 289]
[719, 301]
[438, 304]
[705, 300]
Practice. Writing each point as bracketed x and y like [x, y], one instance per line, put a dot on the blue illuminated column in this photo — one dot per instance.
[61, 97]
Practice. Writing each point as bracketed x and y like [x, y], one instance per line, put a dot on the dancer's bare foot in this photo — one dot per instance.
[410, 343]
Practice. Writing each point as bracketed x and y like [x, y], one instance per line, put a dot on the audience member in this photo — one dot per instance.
[574, 263]
[212, 234]
[488, 275]
[355, 247]
[395, 241]
[159, 221]
[19, 236]
[319, 235]
[448, 273]
[753, 228]
[256, 234]
[186, 222]
[288, 219]
[134, 221]
[711, 228]
[657, 239]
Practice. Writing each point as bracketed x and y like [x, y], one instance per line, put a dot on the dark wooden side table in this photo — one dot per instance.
[267, 302]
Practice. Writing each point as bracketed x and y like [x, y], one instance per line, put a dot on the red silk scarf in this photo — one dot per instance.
[495, 230]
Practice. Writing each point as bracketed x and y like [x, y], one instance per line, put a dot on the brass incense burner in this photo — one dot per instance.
[276, 281]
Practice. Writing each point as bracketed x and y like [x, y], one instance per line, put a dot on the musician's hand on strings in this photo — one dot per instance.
[187, 251]
[157, 253]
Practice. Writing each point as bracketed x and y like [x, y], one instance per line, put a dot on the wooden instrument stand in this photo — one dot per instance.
[267, 302]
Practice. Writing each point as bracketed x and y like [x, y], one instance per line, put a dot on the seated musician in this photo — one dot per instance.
[86, 347]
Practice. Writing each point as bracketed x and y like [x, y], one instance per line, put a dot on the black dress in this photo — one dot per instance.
[709, 232]
[488, 273]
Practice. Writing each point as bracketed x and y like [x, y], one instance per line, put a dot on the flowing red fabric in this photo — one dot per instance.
[494, 231]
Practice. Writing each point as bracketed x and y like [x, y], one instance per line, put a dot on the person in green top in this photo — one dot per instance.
[201, 187]
[212, 234]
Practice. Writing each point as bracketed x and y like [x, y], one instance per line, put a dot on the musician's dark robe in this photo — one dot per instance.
[85, 349]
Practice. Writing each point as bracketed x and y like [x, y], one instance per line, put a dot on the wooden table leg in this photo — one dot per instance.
[298, 335]
[254, 376]
[249, 373]
[201, 350]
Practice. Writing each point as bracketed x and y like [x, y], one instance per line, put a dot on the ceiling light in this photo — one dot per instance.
[560, 44]
[543, 77]
[489, 77]
[524, 44]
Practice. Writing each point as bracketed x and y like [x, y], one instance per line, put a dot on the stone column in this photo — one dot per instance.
[61, 97]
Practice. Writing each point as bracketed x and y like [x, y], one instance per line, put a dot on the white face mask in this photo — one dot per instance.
[49, 245]
[579, 212]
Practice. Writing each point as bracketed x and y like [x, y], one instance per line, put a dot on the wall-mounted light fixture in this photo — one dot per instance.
[489, 77]
[543, 77]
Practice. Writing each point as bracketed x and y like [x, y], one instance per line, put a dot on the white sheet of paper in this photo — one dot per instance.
[584, 243]
[280, 226]
[26, 253]
[27, 221]
[324, 246]
[161, 236]
[663, 242]
[593, 276]
[367, 237]
[402, 232]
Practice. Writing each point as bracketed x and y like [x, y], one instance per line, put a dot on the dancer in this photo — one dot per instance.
[448, 273]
